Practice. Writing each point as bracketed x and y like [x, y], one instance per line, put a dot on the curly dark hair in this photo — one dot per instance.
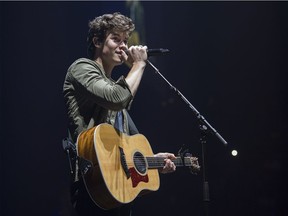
[101, 26]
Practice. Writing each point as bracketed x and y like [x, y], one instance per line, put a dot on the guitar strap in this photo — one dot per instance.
[119, 123]
[122, 117]
[132, 127]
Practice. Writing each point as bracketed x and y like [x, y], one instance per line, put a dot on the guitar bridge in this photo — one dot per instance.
[124, 163]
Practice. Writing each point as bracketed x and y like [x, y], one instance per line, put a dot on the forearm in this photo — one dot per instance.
[134, 77]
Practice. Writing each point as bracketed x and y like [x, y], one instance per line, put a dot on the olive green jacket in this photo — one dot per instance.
[92, 98]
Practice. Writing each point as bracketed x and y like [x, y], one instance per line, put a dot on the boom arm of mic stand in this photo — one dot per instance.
[198, 115]
[204, 127]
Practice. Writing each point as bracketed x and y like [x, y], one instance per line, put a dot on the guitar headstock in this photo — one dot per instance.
[195, 167]
[193, 161]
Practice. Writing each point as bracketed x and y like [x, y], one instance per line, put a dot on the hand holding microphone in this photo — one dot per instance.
[137, 59]
[154, 52]
[137, 53]
[150, 52]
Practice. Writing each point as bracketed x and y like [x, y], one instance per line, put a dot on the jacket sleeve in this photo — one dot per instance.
[91, 82]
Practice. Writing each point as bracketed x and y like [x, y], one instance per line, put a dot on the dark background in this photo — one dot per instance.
[229, 59]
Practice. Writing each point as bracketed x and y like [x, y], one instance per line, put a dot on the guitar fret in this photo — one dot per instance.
[157, 162]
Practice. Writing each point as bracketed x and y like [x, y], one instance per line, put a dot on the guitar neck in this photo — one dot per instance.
[158, 162]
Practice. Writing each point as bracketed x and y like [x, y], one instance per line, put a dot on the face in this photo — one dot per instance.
[112, 46]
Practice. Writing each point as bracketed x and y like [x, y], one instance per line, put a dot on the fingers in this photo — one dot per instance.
[170, 156]
[138, 53]
[166, 155]
[124, 55]
[138, 48]
[169, 166]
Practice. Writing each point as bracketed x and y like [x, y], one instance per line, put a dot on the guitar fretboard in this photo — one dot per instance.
[158, 162]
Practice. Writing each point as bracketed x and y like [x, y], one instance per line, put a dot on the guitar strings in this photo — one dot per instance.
[158, 162]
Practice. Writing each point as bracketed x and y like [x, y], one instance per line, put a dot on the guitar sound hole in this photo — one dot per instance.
[139, 162]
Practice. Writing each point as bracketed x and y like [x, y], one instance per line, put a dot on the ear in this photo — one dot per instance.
[96, 42]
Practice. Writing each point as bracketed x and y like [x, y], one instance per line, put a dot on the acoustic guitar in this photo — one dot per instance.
[123, 167]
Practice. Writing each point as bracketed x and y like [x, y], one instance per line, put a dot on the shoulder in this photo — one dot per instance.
[85, 65]
[84, 62]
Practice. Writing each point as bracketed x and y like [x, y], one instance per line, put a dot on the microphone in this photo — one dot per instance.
[154, 52]
[157, 52]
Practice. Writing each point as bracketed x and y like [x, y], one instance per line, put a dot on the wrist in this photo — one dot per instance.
[139, 63]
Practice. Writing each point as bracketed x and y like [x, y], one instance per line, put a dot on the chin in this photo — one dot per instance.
[119, 62]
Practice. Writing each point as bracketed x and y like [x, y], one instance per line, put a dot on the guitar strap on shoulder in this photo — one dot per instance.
[122, 120]
[119, 121]
[132, 127]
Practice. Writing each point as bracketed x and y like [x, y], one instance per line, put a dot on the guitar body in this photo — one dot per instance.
[120, 172]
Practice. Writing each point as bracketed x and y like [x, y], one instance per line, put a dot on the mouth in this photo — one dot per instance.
[118, 52]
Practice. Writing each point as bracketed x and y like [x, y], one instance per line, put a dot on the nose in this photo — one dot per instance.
[123, 43]
[123, 46]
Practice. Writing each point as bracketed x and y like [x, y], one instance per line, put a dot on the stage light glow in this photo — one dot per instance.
[234, 153]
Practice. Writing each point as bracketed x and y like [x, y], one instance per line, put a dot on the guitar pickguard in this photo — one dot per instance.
[136, 177]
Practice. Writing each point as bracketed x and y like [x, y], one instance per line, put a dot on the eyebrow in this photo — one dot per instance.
[113, 33]
[117, 34]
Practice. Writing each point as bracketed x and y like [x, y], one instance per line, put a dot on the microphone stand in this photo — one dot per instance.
[204, 127]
